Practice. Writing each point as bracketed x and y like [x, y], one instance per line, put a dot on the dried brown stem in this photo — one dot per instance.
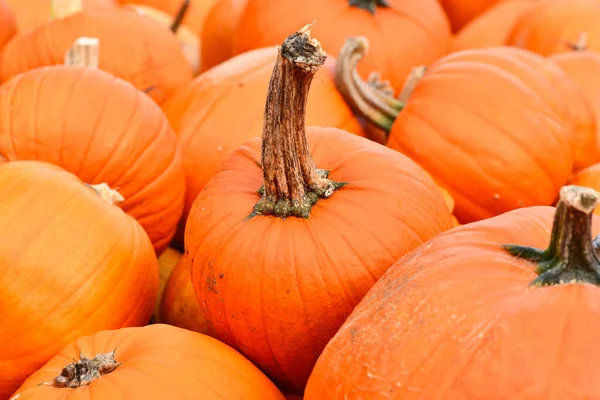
[409, 85]
[112, 196]
[581, 44]
[181, 13]
[369, 5]
[84, 371]
[292, 183]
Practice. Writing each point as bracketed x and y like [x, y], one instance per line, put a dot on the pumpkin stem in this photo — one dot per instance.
[83, 372]
[369, 5]
[112, 196]
[84, 53]
[292, 183]
[372, 100]
[65, 8]
[571, 255]
[180, 16]
[410, 84]
[581, 44]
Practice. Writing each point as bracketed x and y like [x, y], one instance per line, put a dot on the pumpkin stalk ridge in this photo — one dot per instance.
[572, 254]
[84, 371]
[369, 5]
[373, 100]
[292, 183]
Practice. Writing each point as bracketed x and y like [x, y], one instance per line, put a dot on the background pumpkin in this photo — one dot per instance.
[71, 264]
[461, 12]
[224, 107]
[132, 47]
[166, 264]
[8, 24]
[467, 319]
[273, 286]
[493, 26]
[550, 26]
[157, 362]
[32, 13]
[102, 129]
[456, 99]
[393, 56]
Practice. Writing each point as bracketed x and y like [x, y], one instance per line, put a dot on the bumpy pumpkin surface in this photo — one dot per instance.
[277, 273]
[72, 264]
[479, 312]
[103, 130]
[403, 33]
[154, 362]
[224, 107]
[471, 119]
[8, 23]
[132, 47]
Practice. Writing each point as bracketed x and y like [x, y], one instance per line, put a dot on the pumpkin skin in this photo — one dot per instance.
[8, 23]
[156, 64]
[52, 225]
[424, 22]
[492, 27]
[102, 129]
[193, 19]
[201, 114]
[583, 67]
[461, 12]
[153, 367]
[166, 264]
[179, 305]
[285, 298]
[32, 13]
[549, 26]
[218, 32]
[458, 319]
[485, 186]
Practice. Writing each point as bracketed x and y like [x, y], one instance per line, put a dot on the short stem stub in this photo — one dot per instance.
[581, 44]
[372, 100]
[571, 256]
[112, 196]
[292, 183]
[84, 371]
[181, 13]
[369, 5]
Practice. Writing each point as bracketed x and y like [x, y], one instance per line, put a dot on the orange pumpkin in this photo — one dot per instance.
[71, 262]
[218, 32]
[551, 25]
[461, 12]
[179, 306]
[102, 129]
[511, 96]
[155, 362]
[32, 13]
[583, 67]
[194, 18]
[132, 47]
[8, 24]
[201, 114]
[493, 26]
[277, 269]
[403, 33]
[166, 264]
[484, 311]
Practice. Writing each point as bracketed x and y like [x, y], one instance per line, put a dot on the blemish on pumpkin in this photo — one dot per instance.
[211, 284]
[496, 196]
[221, 275]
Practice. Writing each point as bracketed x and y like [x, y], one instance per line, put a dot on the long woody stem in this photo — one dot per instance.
[181, 13]
[292, 183]
[571, 255]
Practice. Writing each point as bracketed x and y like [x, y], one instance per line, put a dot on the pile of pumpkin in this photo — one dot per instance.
[212, 199]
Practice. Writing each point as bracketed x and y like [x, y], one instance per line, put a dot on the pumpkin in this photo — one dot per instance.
[154, 362]
[497, 309]
[72, 263]
[179, 305]
[188, 39]
[8, 24]
[461, 12]
[403, 33]
[278, 267]
[193, 19]
[218, 32]
[102, 129]
[551, 25]
[507, 93]
[583, 67]
[166, 264]
[32, 13]
[133, 47]
[201, 114]
[492, 27]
